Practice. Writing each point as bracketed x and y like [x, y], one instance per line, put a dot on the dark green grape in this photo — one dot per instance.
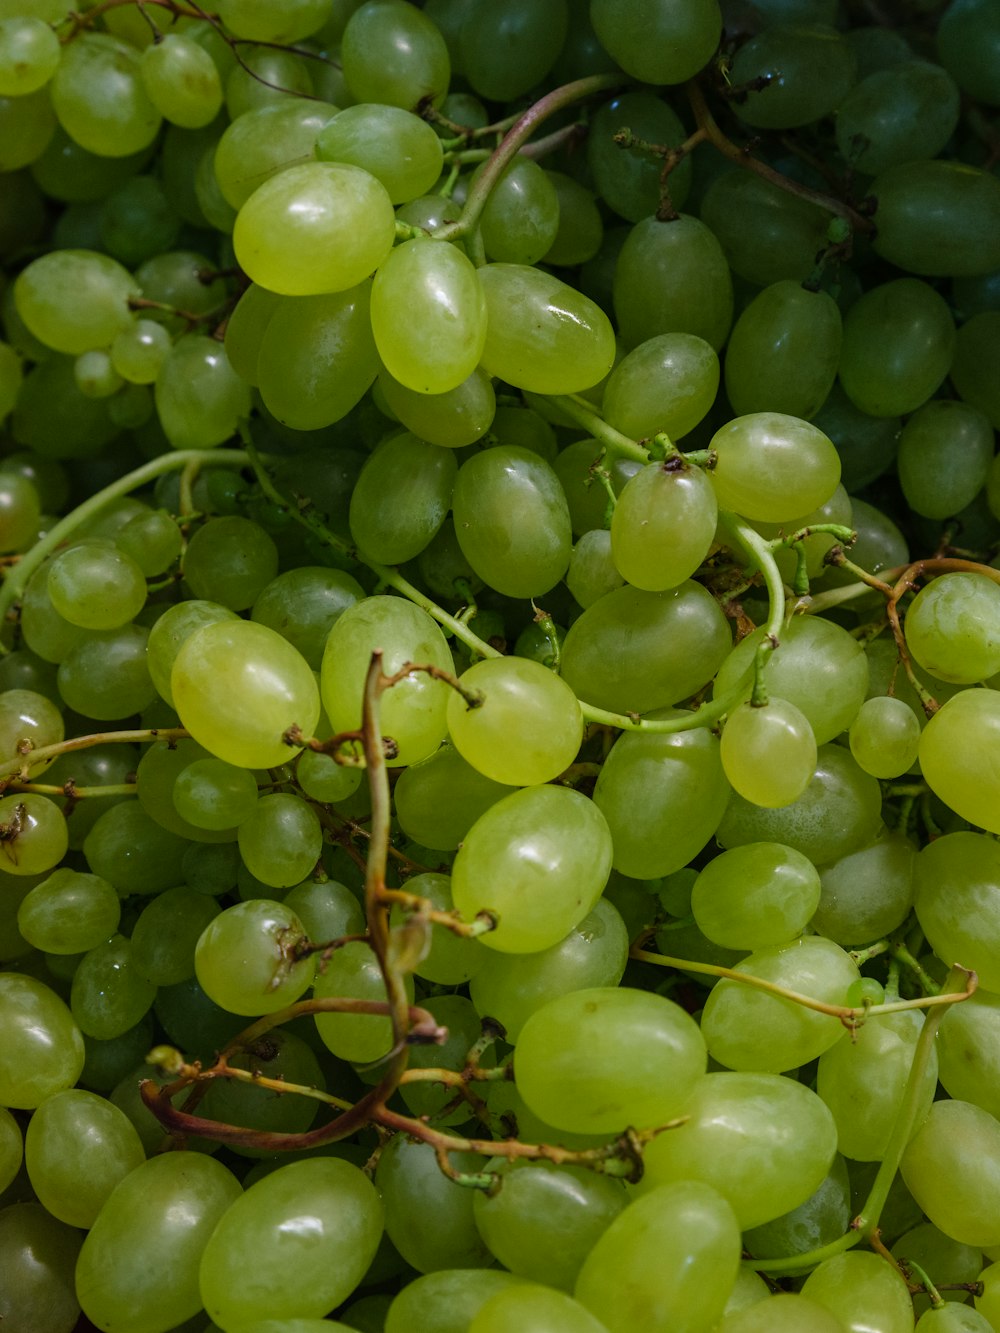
[898, 344]
[766, 234]
[505, 49]
[663, 43]
[806, 70]
[672, 277]
[628, 179]
[894, 115]
[968, 40]
[938, 218]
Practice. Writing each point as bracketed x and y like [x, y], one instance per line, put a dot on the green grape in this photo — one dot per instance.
[20, 511]
[133, 852]
[281, 841]
[667, 383]
[450, 959]
[69, 912]
[439, 799]
[629, 180]
[512, 521]
[885, 737]
[973, 368]
[152, 540]
[859, 1288]
[782, 1313]
[896, 115]
[245, 330]
[805, 72]
[105, 675]
[595, 1060]
[938, 218]
[401, 498]
[182, 81]
[46, 632]
[139, 1268]
[266, 76]
[199, 397]
[667, 1262]
[863, 1080]
[393, 53]
[37, 1257]
[663, 525]
[181, 278]
[277, 1056]
[504, 51]
[100, 99]
[783, 352]
[755, 896]
[588, 502]
[265, 141]
[427, 1216]
[866, 894]
[138, 220]
[954, 897]
[95, 376]
[230, 561]
[823, 1218]
[817, 667]
[527, 728]
[28, 721]
[212, 794]
[322, 778]
[446, 1301]
[110, 993]
[314, 228]
[944, 1259]
[769, 752]
[764, 1142]
[29, 55]
[353, 972]
[77, 1148]
[511, 987]
[592, 571]
[541, 834]
[73, 300]
[96, 586]
[949, 628]
[172, 630]
[264, 935]
[666, 44]
[55, 419]
[767, 234]
[238, 687]
[42, 1052]
[967, 1052]
[967, 46]
[11, 1148]
[987, 1304]
[328, 910]
[29, 127]
[453, 419]
[672, 277]
[750, 1029]
[771, 466]
[413, 710]
[317, 357]
[108, 1062]
[663, 797]
[397, 148]
[580, 227]
[261, 21]
[33, 834]
[898, 344]
[945, 452]
[951, 1167]
[533, 1309]
[635, 651]
[541, 334]
[520, 219]
[951, 1318]
[165, 935]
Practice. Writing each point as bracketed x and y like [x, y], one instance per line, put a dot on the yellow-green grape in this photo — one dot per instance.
[663, 525]
[95, 585]
[951, 1166]
[33, 834]
[245, 330]
[316, 357]
[534, 1307]
[938, 218]
[951, 628]
[439, 799]
[988, 1304]
[755, 896]
[824, 1217]
[595, 1060]
[795, 73]
[783, 1313]
[303, 604]
[769, 752]
[764, 1142]
[182, 81]
[137, 1265]
[199, 397]
[521, 216]
[29, 55]
[353, 972]
[541, 334]
[955, 898]
[867, 894]
[28, 721]
[73, 300]
[771, 466]
[11, 1148]
[401, 498]
[667, 384]
[393, 53]
[750, 1029]
[99, 96]
[667, 1262]
[263, 934]
[319, 227]
[453, 419]
[281, 841]
[434, 1302]
[592, 571]
[109, 993]
[397, 147]
[885, 737]
[451, 959]
[42, 1051]
[413, 710]
[526, 730]
[212, 794]
[69, 912]
[539, 859]
[968, 1052]
[266, 76]
[863, 1081]
[261, 21]
[95, 376]
[267, 140]
[238, 687]
[838, 509]
[165, 935]
[860, 1287]
[172, 629]
[667, 44]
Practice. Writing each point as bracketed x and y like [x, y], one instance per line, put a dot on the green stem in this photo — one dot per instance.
[760, 553]
[16, 580]
[612, 439]
[933, 1295]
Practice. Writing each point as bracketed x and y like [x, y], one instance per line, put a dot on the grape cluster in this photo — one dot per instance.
[499, 657]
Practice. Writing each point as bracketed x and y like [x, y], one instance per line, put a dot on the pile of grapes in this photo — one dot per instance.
[500, 666]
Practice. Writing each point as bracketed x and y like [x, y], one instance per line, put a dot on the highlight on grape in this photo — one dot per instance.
[499, 666]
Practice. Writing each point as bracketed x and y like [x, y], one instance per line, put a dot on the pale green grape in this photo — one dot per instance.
[182, 81]
[439, 799]
[327, 910]
[867, 894]
[28, 721]
[99, 96]
[885, 737]
[663, 525]
[29, 55]
[771, 466]
[898, 343]
[139, 1267]
[105, 675]
[952, 1168]
[755, 896]
[769, 752]
[261, 21]
[954, 750]
[526, 730]
[667, 383]
[393, 53]
[750, 1029]
[319, 227]
[938, 218]
[245, 330]
[951, 1318]
[822, 1218]
[859, 1288]
[446, 1301]
[34, 834]
[29, 127]
[397, 148]
[413, 711]
[955, 900]
[968, 1051]
[281, 841]
[69, 912]
[669, 44]
[580, 226]
[95, 376]
[199, 397]
[20, 509]
[230, 561]
[521, 217]
[303, 604]
[539, 859]
[401, 498]
[453, 419]
[783, 1313]
[950, 628]
[152, 540]
[427, 1216]
[165, 935]
[667, 1263]
[73, 300]
[534, 1309]
[212, 794]
[764, 1142]
[266, 76]
[42, 1051]
[37, 1257]
[110, 993]
[599, 1059]
[592, 571]
[263, 935]
[862, 1082]
[353, 972]
[96, 586]
[238, 687]
[156, 779]
[77, 1148]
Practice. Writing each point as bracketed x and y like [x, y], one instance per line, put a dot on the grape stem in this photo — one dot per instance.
[761, 553]
[16, 770]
